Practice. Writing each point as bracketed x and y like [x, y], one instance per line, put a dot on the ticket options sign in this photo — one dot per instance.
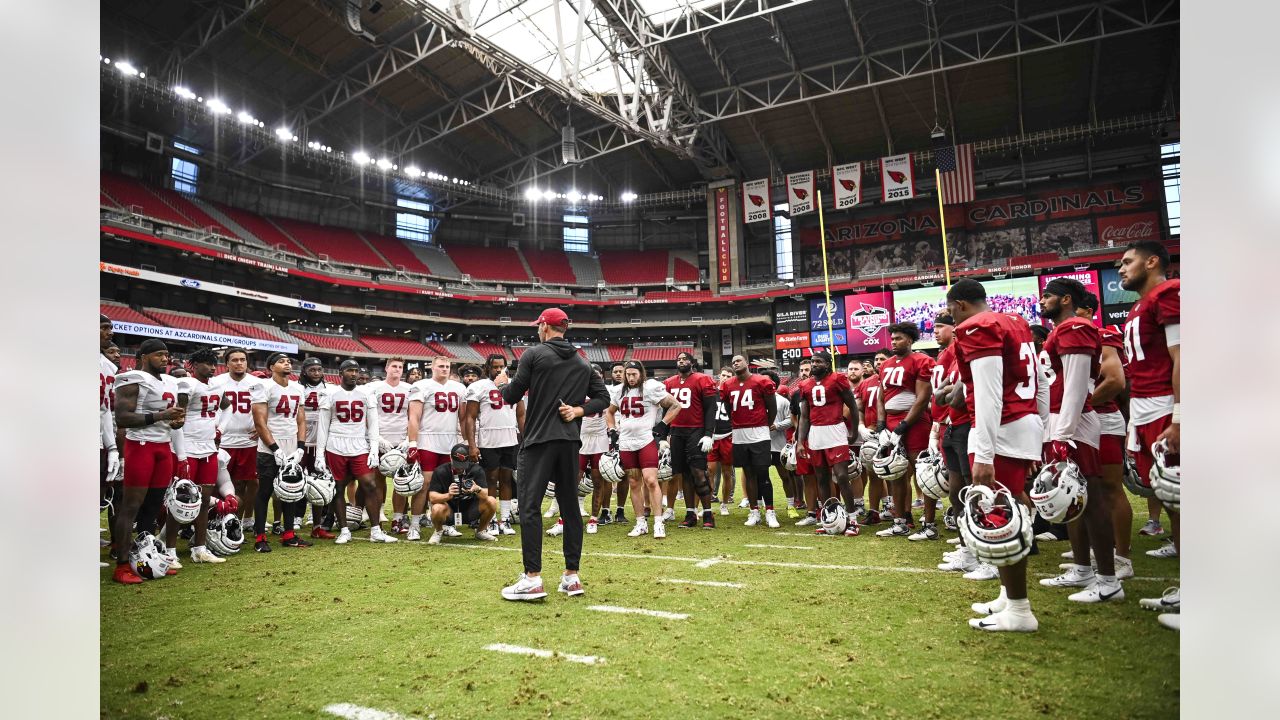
[867, 319]
[1088, 278]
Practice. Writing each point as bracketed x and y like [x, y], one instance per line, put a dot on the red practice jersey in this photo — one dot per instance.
[898, 378]
[1150, 365]
[938, 380]
[745, 400]
[866, 392]
[689, 393]
[1074, 336]
[951, 375]
[1007, 336]
[824, 399]
[1112, 337]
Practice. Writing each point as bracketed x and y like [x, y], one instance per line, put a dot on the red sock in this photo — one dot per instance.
[287, 536]
[260, 538]
[768, 507]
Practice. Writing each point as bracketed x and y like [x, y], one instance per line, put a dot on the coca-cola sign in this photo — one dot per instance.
[1119, 230]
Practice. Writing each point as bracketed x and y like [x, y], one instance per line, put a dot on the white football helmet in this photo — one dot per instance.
[183, 501]
[320, 489]
[1059, 492]
[586, 485]
[226, 535]
[611, 467]
[1166, 475]
[832, 518]
[931, 474]
[995, 526]
[664, 461]
[407, 480]
[890, 462]
[788, 456]
[291, 483]
[390, 462]
[149, 557]
[1133, 481]
[868, 450]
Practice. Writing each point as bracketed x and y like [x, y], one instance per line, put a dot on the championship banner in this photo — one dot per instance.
[868, 316]
[1088, 278]
[204, 338]
[897, 178]
[726, 341]
[800, 192]
[151, 275]
[755, 201]
[846, 185]
[724, 246]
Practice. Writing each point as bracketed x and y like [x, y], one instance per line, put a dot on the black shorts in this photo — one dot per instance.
[754, 454]
[955, 448]
[685, 453]
[470, 509]
[494, 458]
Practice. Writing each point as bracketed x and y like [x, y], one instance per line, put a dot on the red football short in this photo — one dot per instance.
[829, 457]
[804, 460]
[1147, 436]
[1010, 472]
[147, 464]
[203, 471]
[1087, 458]
[589, 461]
[916, 440]
[1111, 451]
[428, 460]
[721, 451]
[645, 457]
[349, 467]
[243, 464]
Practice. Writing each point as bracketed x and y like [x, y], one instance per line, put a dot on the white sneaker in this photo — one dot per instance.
[897, 529]
[960, 561]
[592, 527]
[297, 524]
[505, 528]
[806, 521]
[984, 571]
[771, 519]
[1124, 568]
[753, 519]
[1098, 592]
[953, 541]
[744, 504]
[1073, 577]
[344, 536]
[524, 588]
[570, 585]
[724, 508]
[414, 532]
[1172, 621]
[485, 535]
[201, 554]
[1006, 621]
[451, 531]
[173, 559]
[376, 535]
[659, 529]
[927, 531]
[641, 528]
[669, 515]
[1169, 550]
[556, 530]
[435, 538]
[1170, 602]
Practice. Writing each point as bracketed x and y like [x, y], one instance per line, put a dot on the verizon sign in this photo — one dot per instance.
[1124, 229]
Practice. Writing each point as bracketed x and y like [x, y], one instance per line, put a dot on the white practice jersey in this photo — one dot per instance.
[311, 397]
[237, 423]
[438, 429]
[638, 411]
[595, 434]
[106, 399]
[202, 417]
[351, 420]
[283, 402]
[155, 395]
[497, 421]
[392, 402]
[778, 436]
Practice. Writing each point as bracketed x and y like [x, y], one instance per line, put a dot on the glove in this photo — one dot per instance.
[228, 505]
[403, 446]
[183, 470]
[119, 473]
[295, 456]
[322, 467]
[1057, 450]
[864, 434]
[664, 446]
[372, 460]
[661, 430]
[704, 445]
[384, 446]
[613, 439]
[113, 463]
[412, 454]
[933, 443]
[281, 456]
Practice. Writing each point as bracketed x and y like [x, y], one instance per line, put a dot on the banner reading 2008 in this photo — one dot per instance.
[755, 201]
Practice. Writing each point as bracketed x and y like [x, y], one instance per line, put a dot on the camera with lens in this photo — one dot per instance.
[466, 486]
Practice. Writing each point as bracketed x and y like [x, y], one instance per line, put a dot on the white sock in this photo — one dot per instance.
[1019, 607]
[505, 506]
[413, 520]
[1084, 569]
[555, 507]
[1107, 579]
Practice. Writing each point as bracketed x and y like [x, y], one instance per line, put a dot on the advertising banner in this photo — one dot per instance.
[724, 245]
[897, 178]
[164, 333]
[789, 341]
[1120, 230]
[1112, 293]
[1116, 314]
[755, 201]
[868, 319]
[790, 316]
[1088, 278]
[826, 317]
[800, 192]
[206, 286]
[819, 341]
[840, 350]
[846, 185]
[726, 341]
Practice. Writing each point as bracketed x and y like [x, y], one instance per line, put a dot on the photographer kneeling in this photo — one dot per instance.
[460, 487]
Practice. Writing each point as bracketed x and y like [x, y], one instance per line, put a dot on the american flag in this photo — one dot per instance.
[955, 163]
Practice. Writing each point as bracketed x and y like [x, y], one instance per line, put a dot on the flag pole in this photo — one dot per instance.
[942, 223]
[826, 280]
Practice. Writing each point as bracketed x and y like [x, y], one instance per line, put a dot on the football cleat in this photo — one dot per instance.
[641, 528]
[771, 519]
[753, 518]
[1152, 528]
[659, 529]
[557, 529]
[928, 531]
[1170, 602]
[377, 535]
[295, 542]
[984, 571]
[807, 520]
[1006, 621]
[592, 526]
[201, 554]
[485, 536]
[344, 536]
[961, 561]
[451, 531]
[1098, 592]
[435, 538]
[414, 533]
[504, 528]
[1172, 621]
[1168, 550]
[1074, 577]
[897, 529]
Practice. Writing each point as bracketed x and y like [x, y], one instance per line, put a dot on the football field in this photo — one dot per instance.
[738, 622]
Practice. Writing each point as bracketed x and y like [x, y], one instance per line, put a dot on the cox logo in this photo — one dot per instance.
[188, 282]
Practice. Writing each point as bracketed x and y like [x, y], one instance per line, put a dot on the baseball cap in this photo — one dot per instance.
[552, 316]
[460, 457]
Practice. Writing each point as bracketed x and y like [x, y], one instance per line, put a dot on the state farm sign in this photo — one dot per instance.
[1124, 229]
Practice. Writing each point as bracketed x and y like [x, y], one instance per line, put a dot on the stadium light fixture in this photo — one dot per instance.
[548, 195]
[412, 171]
[629, 197]
[574, 196]
[217, 107]
[126, 68]
[285, 134]
[106, 61]
[184, 92]
[384, 164]
[360, 157]
[532, 195]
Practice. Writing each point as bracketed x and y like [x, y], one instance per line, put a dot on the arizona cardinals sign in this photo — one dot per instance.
[846, 182]
[756, 206]
[800, 192]
[897, 178]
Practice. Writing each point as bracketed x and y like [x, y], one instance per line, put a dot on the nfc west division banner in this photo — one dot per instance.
[755, 201]
[846, 185]
[897, 177]
[204, 338]
[800, 192]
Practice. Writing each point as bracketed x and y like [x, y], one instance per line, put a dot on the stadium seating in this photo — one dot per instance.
[437, 259]
[597, 354]
[267, 233]
[488, 263]
[461, 351]
[484, 350]
[257, 331]
[337, 343]
[128, 192]
[397, 253]
[586, 268]
[105, 200]
[199, 218]
[552, 266]
[680, 295]
[518, 350]
[634, 267]
[402, 346]
[683, 271]
[617, 353]
[340, 244]
[123, 313]
[188, 321]
[660, 354]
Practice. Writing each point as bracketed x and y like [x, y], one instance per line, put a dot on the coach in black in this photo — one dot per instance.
[562, 389]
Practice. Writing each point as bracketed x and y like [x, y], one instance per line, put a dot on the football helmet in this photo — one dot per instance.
[1133, 481]
[931, 474]
[995, 526]
[890, 462]
[664, 461]
[1166, 475]
[868, 450]
[407, 479]
[833, 519]
[611, 467]
[788, 456]
[586, 486]
[226, 535]
[183, 501]
[1059, 492]
[291, 482]
[320, 489]
[355, 516]
[149, 557]
[390, 462]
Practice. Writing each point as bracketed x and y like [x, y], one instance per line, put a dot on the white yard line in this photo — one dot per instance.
[702, 583]
[638, 611]
[357, 712]
[545, 654]
[779, 547]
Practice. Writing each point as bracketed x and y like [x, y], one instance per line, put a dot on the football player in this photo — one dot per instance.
[691, 432]
[824, 433]
[805, 478]
[867, 393]
[901, 409]
[620, 515]
[752, 403]
[1153, 345]
[391, 395]
[499, 427]
[198, 437]
[435, 412]
[348, 432]
[281, 424]
[413, 375]
[955, 449]
[235, 423]
[639, 418]
[469, 374]
[781, 433]
[314, 388]
[720, 458]
[146, 406]
[595, 442]
[108, 448]
[943, 331]
[998, 364]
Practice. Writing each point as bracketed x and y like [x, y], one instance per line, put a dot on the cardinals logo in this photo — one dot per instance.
[897, 176]
[756, 200]
[869, 319]
[800, 193]
[849, 185]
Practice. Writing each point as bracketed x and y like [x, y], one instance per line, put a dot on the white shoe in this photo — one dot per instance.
[897, 529]
[953, 541]
[102, 564]
[486, 536]
[641, 528]
[1170, 602]
[1124, 568]
[659, 529]
[744, 504]
[344, 536]
[991, 608]
[959, 561]
[1047, 536]
[927, 531]
[1169, 550]
[570, 585]
[669, 515]
[1172, 621]
[451, 531]
[552, 510]
[414, 532]
[556, 530]
[1006, 621]
[771, 519]
[525, 588]
[201, 554]
[724, 508]
[806, 521]
[297, 524]
[592, 527]
[1073, 577]
[173, 559]
[505, 528]
[984, 571]
[435, 538]
[376, 535]
[1098, 592]
[753, 519]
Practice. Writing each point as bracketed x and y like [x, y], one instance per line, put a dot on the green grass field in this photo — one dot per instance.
[823, 628]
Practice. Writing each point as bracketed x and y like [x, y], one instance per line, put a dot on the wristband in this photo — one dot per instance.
[273, 447]
[151, 418]
[413, 444]
[1177, 413]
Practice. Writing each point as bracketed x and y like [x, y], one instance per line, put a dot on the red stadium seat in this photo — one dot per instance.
[187, 321]
[617, 352]
[340, 244]
[552, 266]
[660, 354]
[257, 332]
[680, 295]
[201, 218]
[401, 346]
[269, 234]
[338, 343]
[397, 253]
[634, 267]
[123, 313]
[683, 271]
[485, 349]
[488, 263]
[129, 192]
